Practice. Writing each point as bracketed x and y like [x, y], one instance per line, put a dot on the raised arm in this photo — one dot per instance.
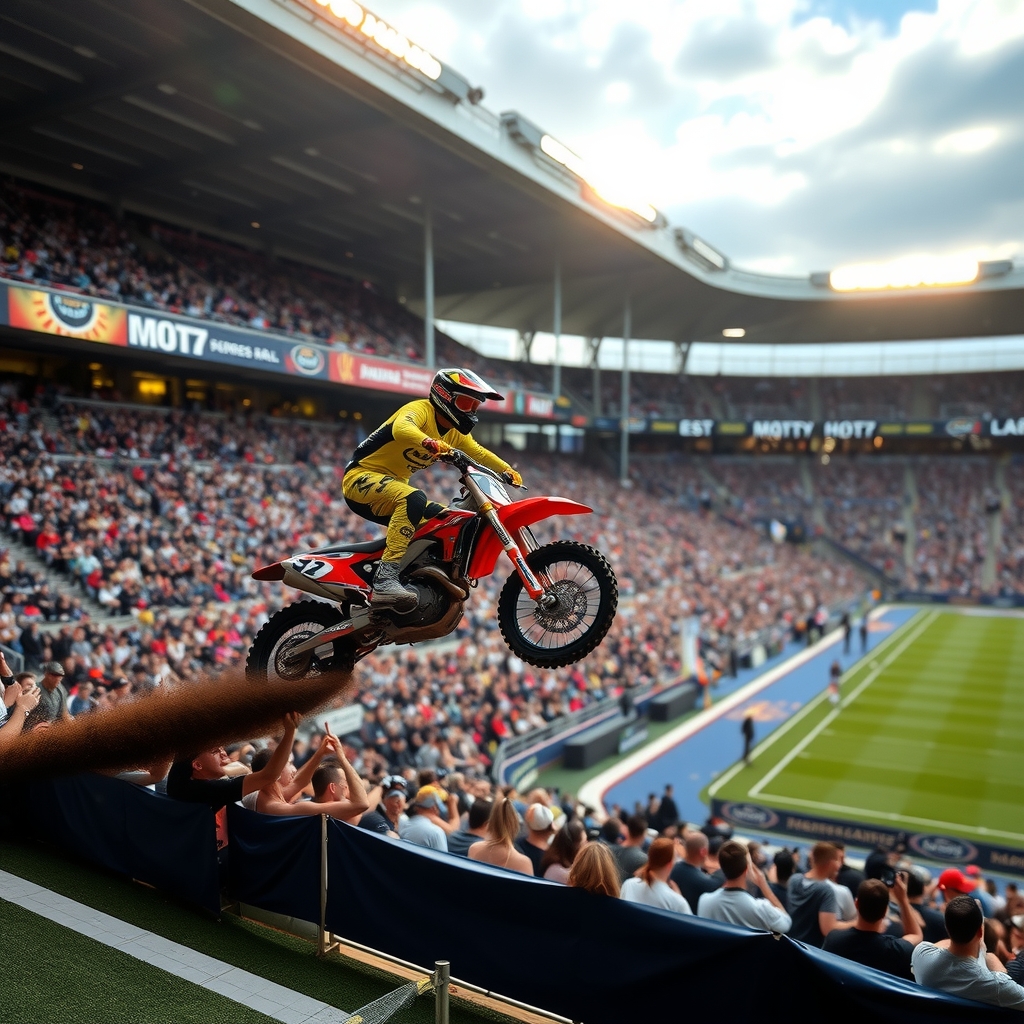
[305, 773]
[912, 931]
[274, 767]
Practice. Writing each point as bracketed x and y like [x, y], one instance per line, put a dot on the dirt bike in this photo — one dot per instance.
[554, 609]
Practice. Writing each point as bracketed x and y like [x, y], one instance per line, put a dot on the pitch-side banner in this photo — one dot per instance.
[51, 311]
[802, 430]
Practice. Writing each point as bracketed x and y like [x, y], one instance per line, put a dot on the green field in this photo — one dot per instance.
[929, 737]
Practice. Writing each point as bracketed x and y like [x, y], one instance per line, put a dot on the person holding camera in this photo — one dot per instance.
[867, 942]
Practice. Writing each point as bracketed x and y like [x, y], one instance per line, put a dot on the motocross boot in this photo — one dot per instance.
[389, 592]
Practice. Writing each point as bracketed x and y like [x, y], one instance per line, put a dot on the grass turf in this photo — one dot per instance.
[271, 954]
[53, 973]
[929, 737]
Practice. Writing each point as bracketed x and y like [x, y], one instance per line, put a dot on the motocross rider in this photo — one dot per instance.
[376, 483]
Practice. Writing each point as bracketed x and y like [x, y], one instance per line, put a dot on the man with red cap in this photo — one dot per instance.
[953, 882]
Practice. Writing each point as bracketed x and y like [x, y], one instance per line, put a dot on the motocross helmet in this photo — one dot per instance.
[456, 394]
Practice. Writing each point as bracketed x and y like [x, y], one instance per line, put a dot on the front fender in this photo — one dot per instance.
[513, 517]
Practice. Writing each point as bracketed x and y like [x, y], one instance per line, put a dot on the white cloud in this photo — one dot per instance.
[969, 140]
[788, 140]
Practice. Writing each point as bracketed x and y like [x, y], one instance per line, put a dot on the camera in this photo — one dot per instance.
[888, 876]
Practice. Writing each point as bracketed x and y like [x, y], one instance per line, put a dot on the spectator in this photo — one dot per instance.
[594, 870]
[652, 887]
[563, 851]
[688, 873]
[629, 854]
[711, 865]
[499, 847]
[25, 700]
[867, 942]
[536, 837]
[953, 882]
[83, 700]
[932, 921]
[848, 876]
[423, 827]
[337, 789]
[784, 865]
[959, 966]
[668, 813]
[53, 698]
[1015, 968]
[202, 778]
[477, 816]
[734, 904]
[10, 688]
[389, 816]
[812, 901]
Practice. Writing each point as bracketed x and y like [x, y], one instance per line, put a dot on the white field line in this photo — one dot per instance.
[781, 731]
[592, 792]
[863, 814]
[905, 642]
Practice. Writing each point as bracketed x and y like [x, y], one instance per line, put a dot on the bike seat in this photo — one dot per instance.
[366, 547]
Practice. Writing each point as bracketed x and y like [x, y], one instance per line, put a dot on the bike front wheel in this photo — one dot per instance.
[586, 595]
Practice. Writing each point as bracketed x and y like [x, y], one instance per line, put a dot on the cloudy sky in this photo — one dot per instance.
[795, 135]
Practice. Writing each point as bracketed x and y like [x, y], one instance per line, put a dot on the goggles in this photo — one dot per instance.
[464, 403]
[394, 783]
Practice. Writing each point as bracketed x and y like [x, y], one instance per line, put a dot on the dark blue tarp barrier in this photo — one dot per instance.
[594, 958]
[586, 957]
[275, 862]
[165, 843]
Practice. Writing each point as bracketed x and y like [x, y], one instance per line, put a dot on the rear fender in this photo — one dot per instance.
[322, 575]
[513, 517]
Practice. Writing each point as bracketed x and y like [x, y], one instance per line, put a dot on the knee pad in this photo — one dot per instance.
[415, 505]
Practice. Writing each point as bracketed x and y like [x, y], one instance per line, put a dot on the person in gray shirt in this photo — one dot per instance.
[422, 828]
[960, 966]
[53, 698]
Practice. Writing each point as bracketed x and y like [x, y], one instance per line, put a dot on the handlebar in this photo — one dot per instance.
[461, 461]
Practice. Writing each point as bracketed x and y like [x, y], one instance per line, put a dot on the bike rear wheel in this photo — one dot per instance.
[586, 597]
[268, 656]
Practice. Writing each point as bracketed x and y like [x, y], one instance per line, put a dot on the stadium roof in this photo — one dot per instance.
[222, 114]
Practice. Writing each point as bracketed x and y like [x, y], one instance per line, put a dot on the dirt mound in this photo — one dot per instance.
[164, 723]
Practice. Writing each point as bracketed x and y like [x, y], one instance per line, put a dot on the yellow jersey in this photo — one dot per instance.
[395, 448]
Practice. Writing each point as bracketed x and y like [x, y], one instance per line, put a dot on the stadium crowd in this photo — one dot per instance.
[160, 516]
[79, 246]
[868, 505]
[674, 396]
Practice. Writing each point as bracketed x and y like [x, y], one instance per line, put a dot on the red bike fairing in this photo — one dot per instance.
[513, 517]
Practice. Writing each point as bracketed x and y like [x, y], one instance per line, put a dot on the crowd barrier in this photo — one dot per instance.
[585, 957]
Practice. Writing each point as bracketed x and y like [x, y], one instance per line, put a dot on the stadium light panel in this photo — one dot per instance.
[734, 332]
[615, 194]
[906, 272]
[355, 17]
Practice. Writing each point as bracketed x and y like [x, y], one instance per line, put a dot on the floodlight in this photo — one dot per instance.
[707, 256]
[906, 272]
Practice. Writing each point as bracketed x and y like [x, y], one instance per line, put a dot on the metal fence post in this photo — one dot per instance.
[322, 943]
[442, 974]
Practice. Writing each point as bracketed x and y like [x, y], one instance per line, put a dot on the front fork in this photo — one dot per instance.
[539, 591]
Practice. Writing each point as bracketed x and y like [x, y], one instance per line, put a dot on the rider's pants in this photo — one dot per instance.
[390, 502]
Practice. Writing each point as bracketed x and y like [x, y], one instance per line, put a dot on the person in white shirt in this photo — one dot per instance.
[651, 887]
[960, 966]
[733, 904]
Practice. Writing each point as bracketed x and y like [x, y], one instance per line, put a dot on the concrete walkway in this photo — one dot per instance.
[232, 982]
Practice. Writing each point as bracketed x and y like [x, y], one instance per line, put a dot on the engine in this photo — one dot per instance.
[434, 602]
